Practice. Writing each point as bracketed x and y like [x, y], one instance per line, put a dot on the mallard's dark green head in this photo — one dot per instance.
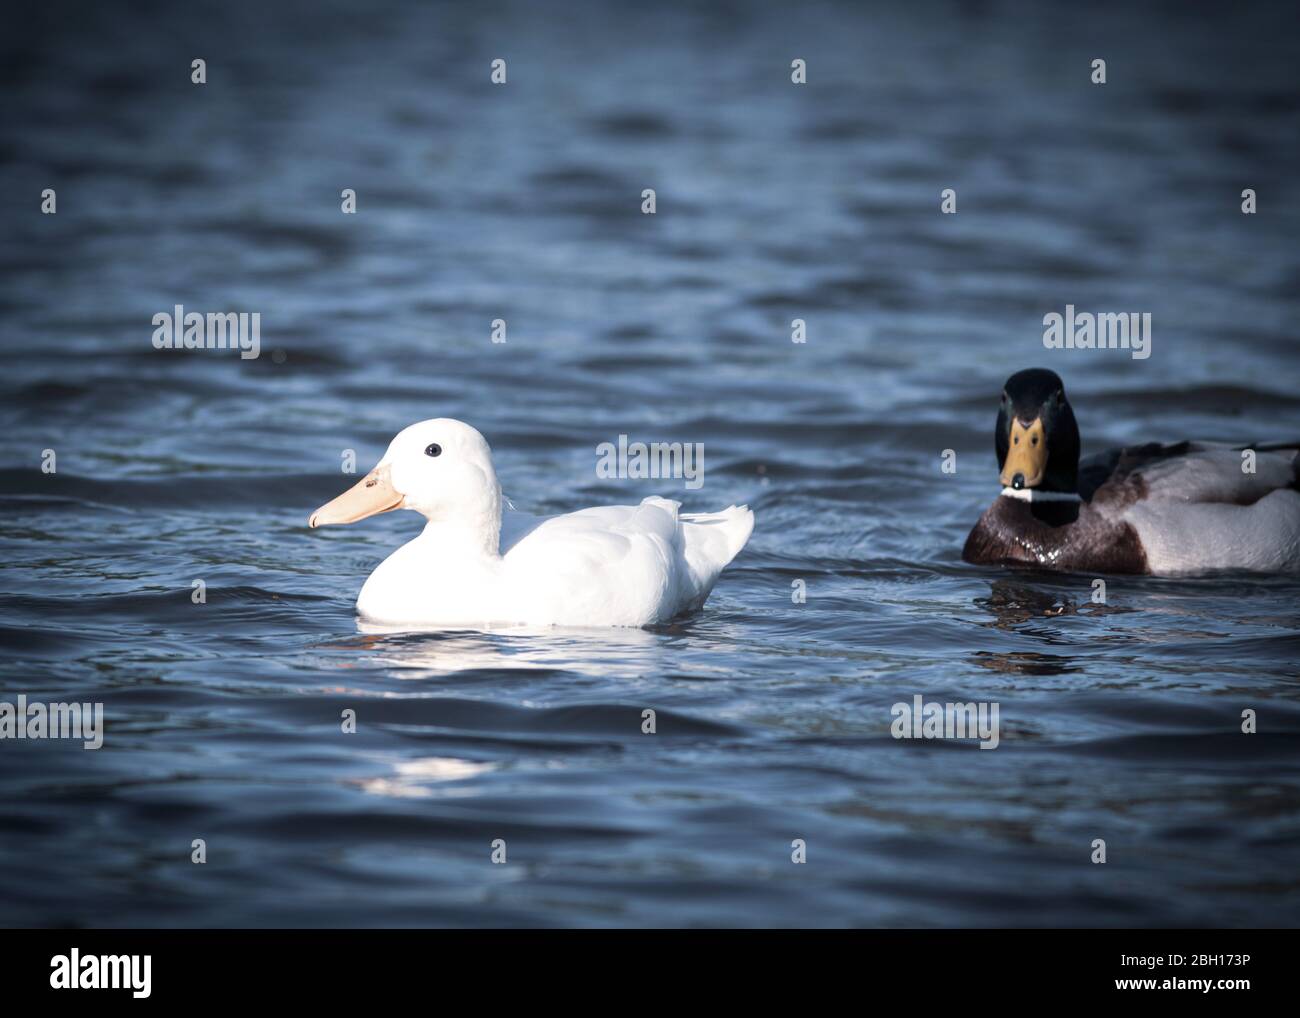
[1036, 438]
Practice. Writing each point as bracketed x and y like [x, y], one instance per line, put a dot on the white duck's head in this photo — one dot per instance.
[441, 468]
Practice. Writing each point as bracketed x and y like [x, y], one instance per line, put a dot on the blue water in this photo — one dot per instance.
[522, 202]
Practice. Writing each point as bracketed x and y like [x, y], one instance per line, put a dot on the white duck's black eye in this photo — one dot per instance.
[434, 450]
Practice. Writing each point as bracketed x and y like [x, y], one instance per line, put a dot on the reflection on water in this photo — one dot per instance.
[1012, 603]
[414, 779]
[433, 653]
[1026, 663]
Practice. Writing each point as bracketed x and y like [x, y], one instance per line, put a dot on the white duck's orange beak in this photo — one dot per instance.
[371, 495]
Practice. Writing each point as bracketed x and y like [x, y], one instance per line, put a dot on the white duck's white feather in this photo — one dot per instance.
[608, 566]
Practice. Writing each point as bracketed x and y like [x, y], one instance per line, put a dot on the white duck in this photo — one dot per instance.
[609, 566]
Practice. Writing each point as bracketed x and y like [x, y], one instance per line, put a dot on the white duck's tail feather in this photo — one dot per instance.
[710, 541]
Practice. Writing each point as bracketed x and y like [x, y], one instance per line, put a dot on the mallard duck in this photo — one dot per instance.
[1158, 509]
[608, 566]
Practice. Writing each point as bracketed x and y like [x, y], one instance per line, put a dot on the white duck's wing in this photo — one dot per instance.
[621, 565]
[615, 565]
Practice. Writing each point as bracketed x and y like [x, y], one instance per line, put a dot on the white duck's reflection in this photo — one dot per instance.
[413, 779]
[432, 653]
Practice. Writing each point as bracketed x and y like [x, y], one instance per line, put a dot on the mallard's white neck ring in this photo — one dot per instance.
[1034, 495]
